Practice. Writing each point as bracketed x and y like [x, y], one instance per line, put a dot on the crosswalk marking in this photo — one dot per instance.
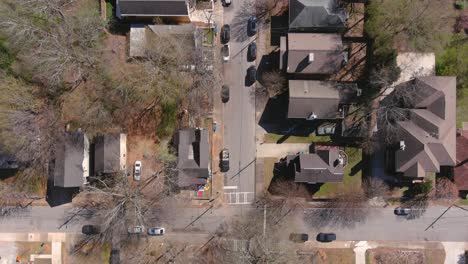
[239, 197]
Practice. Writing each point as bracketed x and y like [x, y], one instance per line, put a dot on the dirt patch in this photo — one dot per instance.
[330, 256]
[145, 149]
[408, 256]
[115, 54]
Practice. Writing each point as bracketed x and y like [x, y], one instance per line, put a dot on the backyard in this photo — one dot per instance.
[408, 256]
[312, 138]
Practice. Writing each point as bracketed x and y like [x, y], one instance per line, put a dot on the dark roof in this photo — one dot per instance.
[322, 98]
[429, 134]
[316, 14]
[319, 167]
[107, 153]
[193, 156]
[314, 53]
[70, 155]
[7, 161]
[153, 7]
[461, 168]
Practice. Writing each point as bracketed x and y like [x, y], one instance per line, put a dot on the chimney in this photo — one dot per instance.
[311, 57]
[402, 145]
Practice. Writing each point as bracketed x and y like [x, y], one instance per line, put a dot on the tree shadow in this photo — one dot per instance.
[240, 21]
[59, 195]
[356, 168]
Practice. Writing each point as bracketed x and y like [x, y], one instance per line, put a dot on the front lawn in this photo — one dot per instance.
[352, 175]
[332, 256]
[403, 255]
[312, 138]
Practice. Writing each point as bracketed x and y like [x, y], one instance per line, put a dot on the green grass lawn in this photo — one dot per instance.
[109, 11]
[463, 202]
[462, 107]
[273, 138]
[329, 189]
[209, 36]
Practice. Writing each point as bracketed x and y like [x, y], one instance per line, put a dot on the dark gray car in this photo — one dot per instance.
[252, 51]
[225, 34]
[251, 75]
[225, 93]
[326, 237]
[252, 26]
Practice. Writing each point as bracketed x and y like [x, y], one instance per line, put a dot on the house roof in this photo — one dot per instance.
[316, 14]
[7, 161]
[107, 153]
[429, 134]
[326, 51]
[70, 157]
[153, 7]
[322, 166]
[461, 168]
[193, 155]
[322, 98]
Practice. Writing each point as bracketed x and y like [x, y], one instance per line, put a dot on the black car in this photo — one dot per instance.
[252, 26]
[252, 51]
[299, 237]
[225, 34]
[225, 94]
[224, 163]
[326, 237]
[90, 230]
[402, 211]
[251, 75]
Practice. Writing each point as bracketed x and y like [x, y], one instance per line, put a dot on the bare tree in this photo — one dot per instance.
[399, 256]
[345, 210]
[446, 190]
[375, 187]
[273, 83]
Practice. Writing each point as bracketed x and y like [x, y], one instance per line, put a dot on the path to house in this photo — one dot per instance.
[280, 150]
[9, 252]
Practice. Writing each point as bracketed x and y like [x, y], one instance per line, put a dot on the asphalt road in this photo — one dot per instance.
[381, 225]
[239, 112]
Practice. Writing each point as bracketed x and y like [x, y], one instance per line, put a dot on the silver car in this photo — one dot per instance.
[136, 229]
[156, 231]
[137, 174]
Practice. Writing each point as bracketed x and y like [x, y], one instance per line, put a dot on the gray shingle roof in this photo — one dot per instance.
[319, 167]
[69, 160]
[193, 156]
[305, 14]
[107, 153]
[429, 134]
[153, 7]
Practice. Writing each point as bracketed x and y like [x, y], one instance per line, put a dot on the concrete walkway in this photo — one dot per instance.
[455, 252]
[280, 150]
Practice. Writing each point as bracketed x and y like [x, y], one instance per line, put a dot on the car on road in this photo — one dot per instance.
[251, 75]
[252, 51]
[156, 231]
[225, 51]
[91, 229]
[225, 34]
[252, 26]
[326, 237]
[224, 160]
[299, 237]
[137, 172]
[227, 3]
[225, 93]
[402, 211]
[136, 229]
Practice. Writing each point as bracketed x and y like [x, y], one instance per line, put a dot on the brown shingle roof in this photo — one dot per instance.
[429, 135]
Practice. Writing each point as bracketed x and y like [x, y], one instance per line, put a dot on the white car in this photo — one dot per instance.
[156, 231]
[225, 51]
[137, 173]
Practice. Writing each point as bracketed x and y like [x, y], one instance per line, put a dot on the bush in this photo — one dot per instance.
[454, 61]
[6, 59]
[168, 120]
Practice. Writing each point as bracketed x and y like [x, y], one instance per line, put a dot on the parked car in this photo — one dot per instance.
[252, 26]
[91, 229]
[225, 51]
[156, 231]
[251, 75]
[326, 237]
[225, 93]
[227, 3]
[299, 237]
[402, 211]
[225, 34]
[136, 229]
[115, 256]
[224, 160]
[137, 173]
[252, 51]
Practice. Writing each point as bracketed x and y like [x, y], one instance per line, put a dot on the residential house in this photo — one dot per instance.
[193, 157]
[426, 141]
[316, 16]
[320, 167]
[110, 153]
[309, 53]
[461, 168]
[72, 160]
[312, 100]
[176, 10]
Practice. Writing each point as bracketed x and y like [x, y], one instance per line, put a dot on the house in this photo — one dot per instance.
[110, 153]
[320, 167]
[426, 140]
[177, 10]
[309, 53]
[461, 168]
[193, 159]
[319, 99]
[72, 160]
[316, 16]
[141, 37]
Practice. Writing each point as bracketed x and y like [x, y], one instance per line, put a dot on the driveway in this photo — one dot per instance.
[280, 150]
